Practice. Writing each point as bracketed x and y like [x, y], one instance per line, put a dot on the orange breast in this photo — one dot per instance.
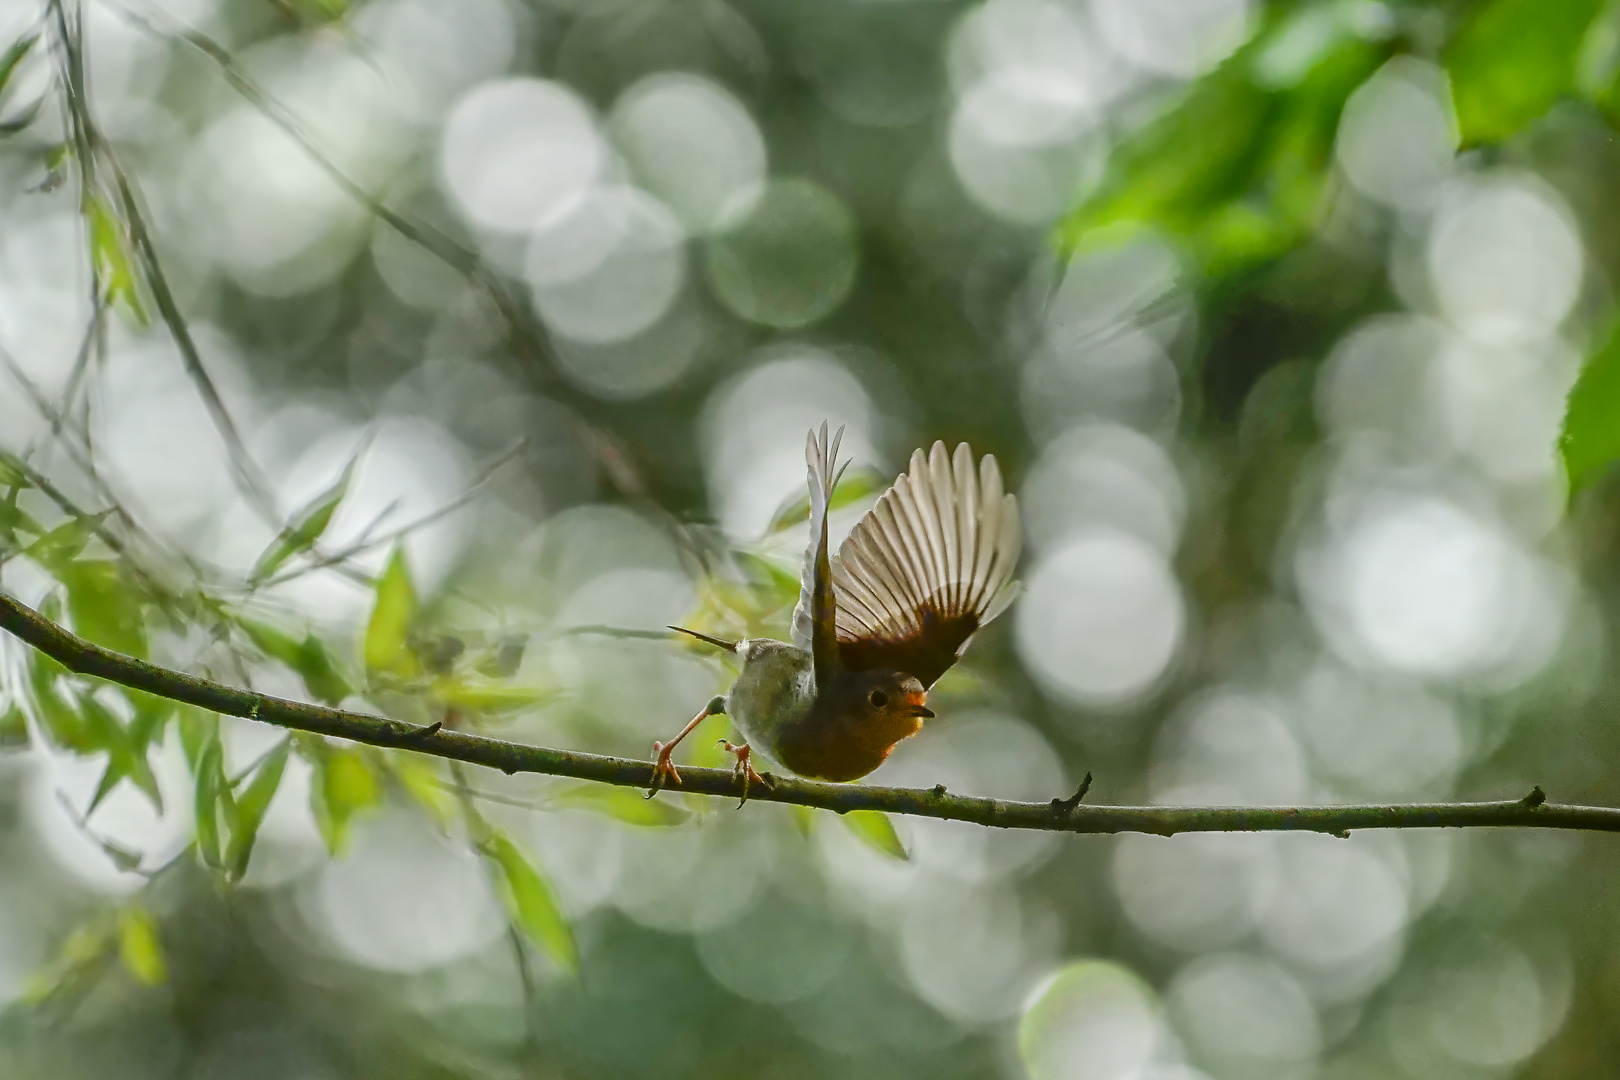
[840, 746]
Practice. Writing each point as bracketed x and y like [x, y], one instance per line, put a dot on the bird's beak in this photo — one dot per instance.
[925, 712]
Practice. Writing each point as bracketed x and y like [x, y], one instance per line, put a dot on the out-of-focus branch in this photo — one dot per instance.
[93, 149]
[1059, 815]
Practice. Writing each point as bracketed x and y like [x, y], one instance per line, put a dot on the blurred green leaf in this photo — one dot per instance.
[307, 527]
[13, 518]
[418, 776]
[80, 960]
[105, 605]
[109, 250]
[22, 119]
[875, 829]
[1512, 60]
[13, 726]
[776, 585]
[12, 474]
[315, 666]
[251, 806]
[58, 714]
[531, 903]
[804, 819]
[140, 947]
[621, 804]
[387, 644]
[212, 795]
[126, 753]
[59, 547]
[857, 484]
[307, 655]
[197, 726]
[1590, 440]
[344, 785]
[13, 56]
[489, 697]
[1239, 167]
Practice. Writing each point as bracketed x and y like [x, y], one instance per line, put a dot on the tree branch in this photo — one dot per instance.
[1059, 815]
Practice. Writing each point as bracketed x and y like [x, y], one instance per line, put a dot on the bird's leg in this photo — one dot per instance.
[663, 767]
[744, 769]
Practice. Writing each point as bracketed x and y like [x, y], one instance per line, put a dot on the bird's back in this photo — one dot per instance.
[776, 687]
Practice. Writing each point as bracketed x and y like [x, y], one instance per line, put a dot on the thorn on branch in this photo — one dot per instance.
[416, 736]
[1066, 806]
[1535, 798]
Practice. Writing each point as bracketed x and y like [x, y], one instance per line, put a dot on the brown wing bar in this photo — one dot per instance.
[927, 566]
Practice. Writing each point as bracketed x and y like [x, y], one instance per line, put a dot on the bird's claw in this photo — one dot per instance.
[663, 768]
[744, 769]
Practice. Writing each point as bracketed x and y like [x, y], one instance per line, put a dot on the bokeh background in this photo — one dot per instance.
[1269, 323]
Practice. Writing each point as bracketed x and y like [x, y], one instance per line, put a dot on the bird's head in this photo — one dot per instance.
[893, 698]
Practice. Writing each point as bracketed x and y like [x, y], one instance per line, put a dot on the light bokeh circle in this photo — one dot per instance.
[789, 260]
[1102, 618]
[516, 150]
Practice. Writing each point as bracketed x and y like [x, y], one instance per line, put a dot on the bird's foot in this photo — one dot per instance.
[744, 769]
[663, 768]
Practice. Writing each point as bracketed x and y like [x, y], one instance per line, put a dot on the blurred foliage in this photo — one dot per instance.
[1235, 164]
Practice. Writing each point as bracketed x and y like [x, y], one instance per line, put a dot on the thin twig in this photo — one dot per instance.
[366, 542]
[93, 148]
[85, 658]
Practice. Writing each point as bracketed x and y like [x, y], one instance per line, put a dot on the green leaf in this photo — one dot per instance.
[490, 697]
[621, 804]
[419, 779]
[308, 656]
[212, 790]
[344, 785]
[126, 753]
[1590, 440]
[13, 726]
[1512, 60]
[140, 948]
[1239, 168]
[779, 585]
[20, 122]
[104, 605]
[58, 714]
[857, 484]
[875, 829]
[59, 547]
[530, 901]
[803, 818]
[320, 674]
[387, 645]
[197, 726]
[251, 807]
[307, 527]
[110, 258]
[69, 976]
[12, 473]
[13, 56]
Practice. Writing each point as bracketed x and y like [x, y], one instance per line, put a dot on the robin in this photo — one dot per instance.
[875, 625]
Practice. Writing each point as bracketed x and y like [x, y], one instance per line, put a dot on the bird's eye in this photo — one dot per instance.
[878, 699]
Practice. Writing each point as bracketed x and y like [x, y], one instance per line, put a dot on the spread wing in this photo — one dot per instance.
[815, 614]
[927, 566]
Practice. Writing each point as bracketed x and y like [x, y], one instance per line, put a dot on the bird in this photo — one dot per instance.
[875, 625]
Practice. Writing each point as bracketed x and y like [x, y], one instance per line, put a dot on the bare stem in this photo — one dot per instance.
[1058, 815]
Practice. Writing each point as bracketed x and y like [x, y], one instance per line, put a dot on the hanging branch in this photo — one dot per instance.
[1058, 815]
